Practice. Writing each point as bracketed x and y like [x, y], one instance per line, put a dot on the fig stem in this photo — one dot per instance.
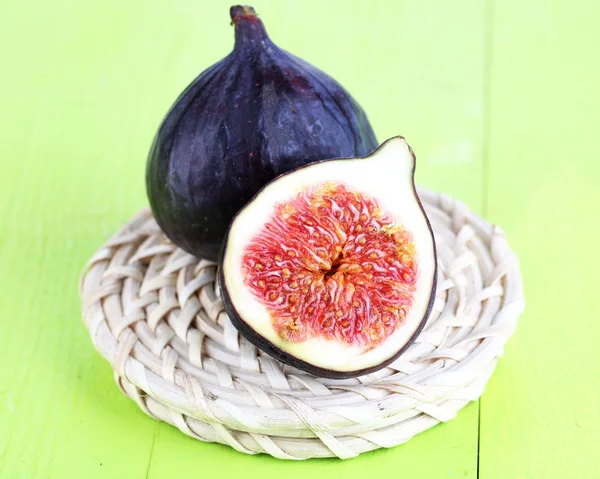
[238, 11]
[249, 29]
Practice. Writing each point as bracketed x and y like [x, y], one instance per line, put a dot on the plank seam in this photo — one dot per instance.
[487, 86]
[152, 450]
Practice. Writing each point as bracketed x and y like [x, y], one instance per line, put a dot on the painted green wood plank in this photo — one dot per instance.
[86, 85]
[540, 416]
[69, 177]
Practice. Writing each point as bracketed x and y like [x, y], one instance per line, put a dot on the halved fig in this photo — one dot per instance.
[331, 268]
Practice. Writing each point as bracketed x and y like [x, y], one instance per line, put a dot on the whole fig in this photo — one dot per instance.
[252, 116]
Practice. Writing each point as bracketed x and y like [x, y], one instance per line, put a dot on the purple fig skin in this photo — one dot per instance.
[247, 119]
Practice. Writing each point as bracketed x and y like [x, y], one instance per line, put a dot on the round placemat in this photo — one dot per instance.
[153, 311]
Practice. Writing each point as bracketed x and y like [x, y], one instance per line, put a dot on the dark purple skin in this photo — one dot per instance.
[252, 116]
[268, 347]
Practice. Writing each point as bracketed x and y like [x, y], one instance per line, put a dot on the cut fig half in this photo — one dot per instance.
[331, 268]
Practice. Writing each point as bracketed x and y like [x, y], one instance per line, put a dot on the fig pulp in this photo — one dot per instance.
[252, 116]
[331, 268]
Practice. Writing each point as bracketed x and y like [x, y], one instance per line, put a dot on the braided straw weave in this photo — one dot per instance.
[154, 313]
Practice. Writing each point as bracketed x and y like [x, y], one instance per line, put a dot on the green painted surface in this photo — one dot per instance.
[540, 415]
[500, 104]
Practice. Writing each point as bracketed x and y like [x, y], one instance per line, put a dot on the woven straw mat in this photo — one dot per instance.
[153, 311]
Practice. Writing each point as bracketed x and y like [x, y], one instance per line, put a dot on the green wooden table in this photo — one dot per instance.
[499, 100]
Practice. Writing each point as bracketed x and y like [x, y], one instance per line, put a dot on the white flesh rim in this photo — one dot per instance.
[387, 176]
